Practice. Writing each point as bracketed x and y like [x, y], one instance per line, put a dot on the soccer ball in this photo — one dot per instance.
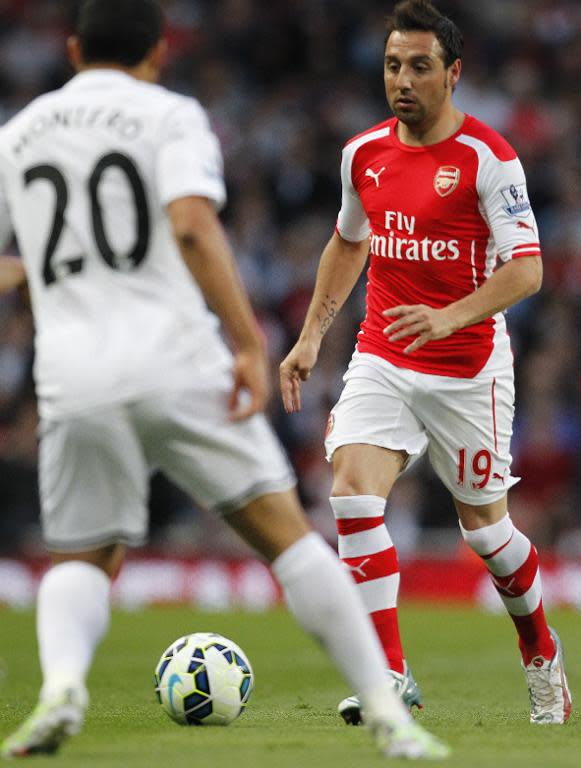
[203, 679]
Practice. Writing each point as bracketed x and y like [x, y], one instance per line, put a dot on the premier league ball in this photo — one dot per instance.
[203, 679]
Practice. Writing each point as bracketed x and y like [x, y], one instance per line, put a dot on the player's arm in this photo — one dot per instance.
[205, 249]
[12, 274]
[341, 264]
[189, 174]
[501, 187]
[513, 282]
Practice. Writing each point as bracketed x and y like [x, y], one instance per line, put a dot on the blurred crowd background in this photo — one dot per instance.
[286, 83]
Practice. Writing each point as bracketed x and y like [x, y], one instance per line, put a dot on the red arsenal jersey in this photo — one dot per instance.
[438, 218]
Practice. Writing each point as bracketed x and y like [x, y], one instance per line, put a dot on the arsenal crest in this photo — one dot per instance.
[446, 180]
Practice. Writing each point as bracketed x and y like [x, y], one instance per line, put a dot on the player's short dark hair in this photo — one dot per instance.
[421, 15]
[118, 31]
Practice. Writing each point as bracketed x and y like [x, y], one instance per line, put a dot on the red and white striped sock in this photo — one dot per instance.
[366, 549]
[513, 564]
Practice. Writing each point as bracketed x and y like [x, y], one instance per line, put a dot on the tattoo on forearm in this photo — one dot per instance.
[330, 307]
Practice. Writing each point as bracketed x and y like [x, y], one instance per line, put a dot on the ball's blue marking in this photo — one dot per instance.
[174, 679]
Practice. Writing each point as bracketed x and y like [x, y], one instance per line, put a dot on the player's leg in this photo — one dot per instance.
[277, 528]
[244, 459]
[372, 435]
[513, 564]
[72, 617]
[318, 591]
[238, 469]
[93, 482]
[470, 426]
[323, 599]
[363, 476]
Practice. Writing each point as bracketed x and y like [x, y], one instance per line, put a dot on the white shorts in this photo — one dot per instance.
[465, 424]
[94, 469]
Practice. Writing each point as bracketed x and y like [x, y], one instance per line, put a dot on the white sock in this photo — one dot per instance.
[72, 617]
[323, 597]
[513, 564]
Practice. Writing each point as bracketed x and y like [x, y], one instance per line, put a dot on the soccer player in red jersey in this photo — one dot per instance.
[436, 199]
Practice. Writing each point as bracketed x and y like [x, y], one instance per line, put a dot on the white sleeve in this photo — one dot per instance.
[352, 222]
[502, 189]
[189, 160]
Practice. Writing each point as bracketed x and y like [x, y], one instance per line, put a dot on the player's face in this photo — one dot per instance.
[417, 84]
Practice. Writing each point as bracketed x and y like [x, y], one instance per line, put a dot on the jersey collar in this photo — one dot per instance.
[428, 147]
[97, 78]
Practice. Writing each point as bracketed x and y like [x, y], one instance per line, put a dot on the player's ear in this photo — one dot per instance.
[157, 57]
[454, 73]
[74, 52]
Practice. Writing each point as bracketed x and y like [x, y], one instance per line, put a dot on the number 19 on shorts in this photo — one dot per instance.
[475, 469]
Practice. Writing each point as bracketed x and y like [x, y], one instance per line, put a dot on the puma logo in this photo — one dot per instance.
[524, 225]
[375, 176]
[358, 569]
[505, 588]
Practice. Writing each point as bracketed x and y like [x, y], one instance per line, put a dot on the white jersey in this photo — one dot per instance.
[86, 173]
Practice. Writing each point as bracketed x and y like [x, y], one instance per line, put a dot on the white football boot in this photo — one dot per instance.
[548, 689]
[53, 720]
[410, 741]
[404, 685]
[394, 730]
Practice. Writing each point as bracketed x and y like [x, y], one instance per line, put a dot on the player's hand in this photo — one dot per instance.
[250, 376]
[426, 323]
[12, 274]
[295, 368]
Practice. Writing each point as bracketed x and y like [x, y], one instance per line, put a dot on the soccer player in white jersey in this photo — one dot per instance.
[435, 198]
[111, 185]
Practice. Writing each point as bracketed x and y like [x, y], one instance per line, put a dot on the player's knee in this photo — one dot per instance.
[345, 484]
[271, 523]
[109, 559]
[474, 517]
[344, 489]
[365, 470]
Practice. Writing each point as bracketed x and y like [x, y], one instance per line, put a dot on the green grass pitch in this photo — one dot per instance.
[465, 661]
